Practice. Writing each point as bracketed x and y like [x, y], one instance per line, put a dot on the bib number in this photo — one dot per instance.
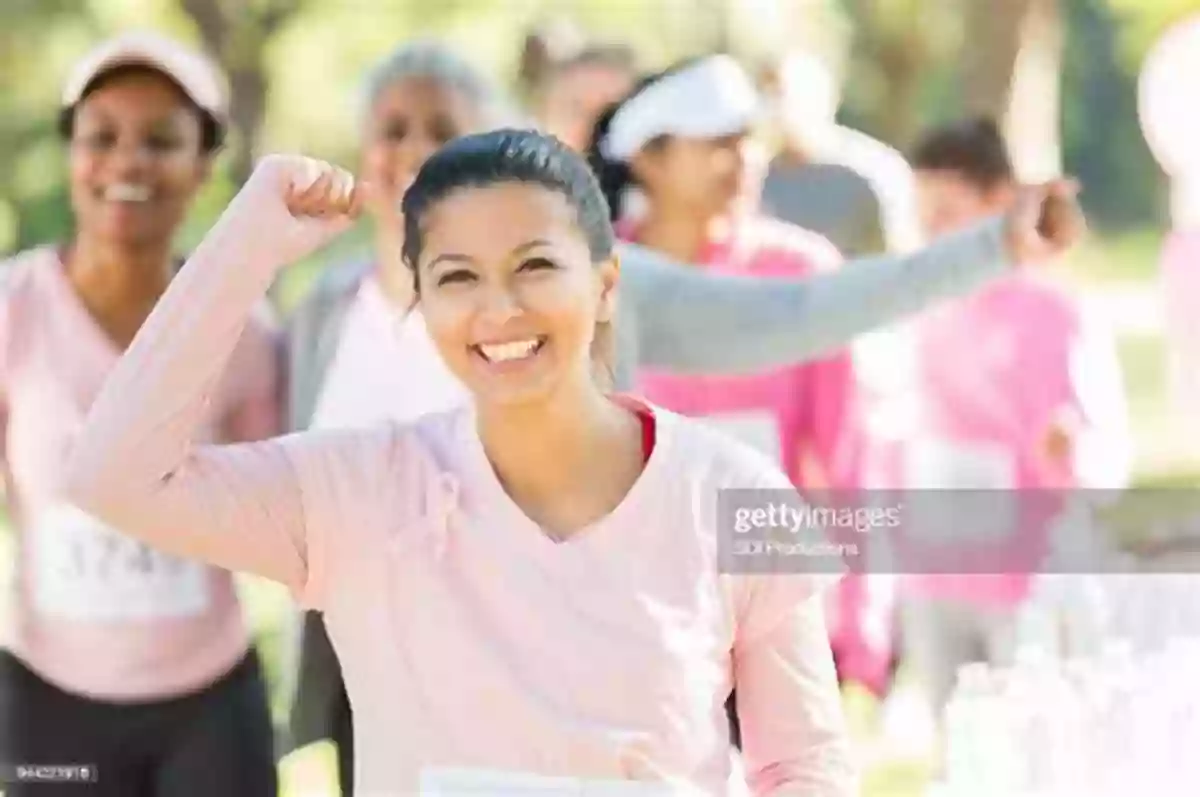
[966, 492]
[940, 465]
[84, 570]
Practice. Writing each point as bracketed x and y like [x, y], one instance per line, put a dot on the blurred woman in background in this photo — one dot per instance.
[132, 661]
[683, 140]
[1019, 390]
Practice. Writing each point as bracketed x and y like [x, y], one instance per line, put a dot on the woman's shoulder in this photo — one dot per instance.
[781, 244]
[714, 459]
[19, 269]
[388, 453]
[24, 286]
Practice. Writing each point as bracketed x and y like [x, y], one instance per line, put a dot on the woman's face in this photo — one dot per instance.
[702, 176]
[509, 291]
[136, 159]
[410, 120]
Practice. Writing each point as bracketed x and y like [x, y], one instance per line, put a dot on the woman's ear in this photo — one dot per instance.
[608, 275]
[642, 167]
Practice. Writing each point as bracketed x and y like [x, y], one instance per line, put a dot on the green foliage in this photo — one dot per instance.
[1141, 22]
[315, 62]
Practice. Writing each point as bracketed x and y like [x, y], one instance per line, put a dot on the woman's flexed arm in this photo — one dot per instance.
[135, 465]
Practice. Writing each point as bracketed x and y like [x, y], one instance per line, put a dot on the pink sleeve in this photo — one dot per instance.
[794, 736]
[135, 465]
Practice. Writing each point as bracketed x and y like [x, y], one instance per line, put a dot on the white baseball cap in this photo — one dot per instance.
[710, 98]
[194, 73]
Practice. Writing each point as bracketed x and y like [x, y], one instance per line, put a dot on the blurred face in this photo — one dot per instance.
[949, 202]
[509, 292]
[410, 120]
[135, 159]
[574, 100]
[706, 177]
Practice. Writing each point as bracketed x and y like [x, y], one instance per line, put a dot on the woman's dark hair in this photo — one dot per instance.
[974, 149]
[616, 177]
[513, 156]
[212, 132]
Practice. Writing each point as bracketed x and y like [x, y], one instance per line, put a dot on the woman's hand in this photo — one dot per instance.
[1044, 222]
[321, 201]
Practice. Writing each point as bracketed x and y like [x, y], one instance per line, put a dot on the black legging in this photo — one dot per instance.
[343, 738]
[215, 741]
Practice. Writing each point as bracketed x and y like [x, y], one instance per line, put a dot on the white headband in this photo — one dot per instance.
[712, 98]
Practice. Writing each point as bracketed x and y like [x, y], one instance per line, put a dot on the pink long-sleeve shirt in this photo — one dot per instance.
[466, 636]
[93, 612]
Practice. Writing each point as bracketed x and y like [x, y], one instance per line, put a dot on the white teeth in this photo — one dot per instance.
[501, 352]
[127, 192]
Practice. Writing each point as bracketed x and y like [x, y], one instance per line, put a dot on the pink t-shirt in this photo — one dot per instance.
[96, 613]
[996, 371]
[468, 638]
[805, 416]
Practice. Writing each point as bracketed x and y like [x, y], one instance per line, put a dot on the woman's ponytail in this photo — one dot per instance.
[615, 177]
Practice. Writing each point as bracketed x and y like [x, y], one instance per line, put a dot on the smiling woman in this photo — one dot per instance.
[508, 325]
[499, 566]
[122, 656]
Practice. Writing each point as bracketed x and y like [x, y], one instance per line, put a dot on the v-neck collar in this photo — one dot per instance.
[95, 336]
[498, 505]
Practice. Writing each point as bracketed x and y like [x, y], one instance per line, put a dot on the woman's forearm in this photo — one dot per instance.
[687, 320]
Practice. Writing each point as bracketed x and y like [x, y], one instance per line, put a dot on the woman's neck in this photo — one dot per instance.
[682, 236]
[547, 454]
[119, 285]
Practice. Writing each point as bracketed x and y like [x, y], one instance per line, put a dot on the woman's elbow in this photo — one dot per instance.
[98, 487]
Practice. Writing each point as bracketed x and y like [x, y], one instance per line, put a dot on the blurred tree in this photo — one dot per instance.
[1123, 187]
[1033, 115]
[896, 45]
[1141, 22]
[237, 34]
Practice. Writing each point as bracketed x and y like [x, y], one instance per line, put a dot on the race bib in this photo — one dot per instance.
[943, 465]
[964, 492]
[452, 782]
[83, 570]
[759, 430]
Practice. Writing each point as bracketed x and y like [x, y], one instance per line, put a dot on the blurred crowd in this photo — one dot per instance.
[930, 360]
